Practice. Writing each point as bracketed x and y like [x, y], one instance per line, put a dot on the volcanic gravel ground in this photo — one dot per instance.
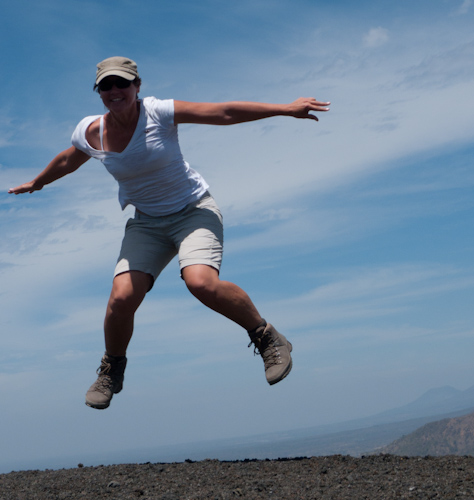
[335, 477]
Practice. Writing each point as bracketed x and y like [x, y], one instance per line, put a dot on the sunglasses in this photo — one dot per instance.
[107, 84]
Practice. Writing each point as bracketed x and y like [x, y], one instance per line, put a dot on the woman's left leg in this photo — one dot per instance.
[221, 296]
[231, 301]
[200, 244]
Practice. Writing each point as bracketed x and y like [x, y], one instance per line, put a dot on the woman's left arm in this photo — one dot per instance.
[229, 113]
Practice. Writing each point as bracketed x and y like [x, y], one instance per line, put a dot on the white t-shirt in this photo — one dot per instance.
[151, 171]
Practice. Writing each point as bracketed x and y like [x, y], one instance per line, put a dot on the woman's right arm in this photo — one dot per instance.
[64, 163]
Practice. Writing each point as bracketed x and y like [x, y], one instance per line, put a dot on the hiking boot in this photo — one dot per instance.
[108, 383]
[275, 351]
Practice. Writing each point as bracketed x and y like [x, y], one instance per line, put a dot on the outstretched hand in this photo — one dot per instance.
[62, 164]
[28, 187]
[301, 107]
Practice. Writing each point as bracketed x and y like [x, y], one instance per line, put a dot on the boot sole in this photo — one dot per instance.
[96, 406]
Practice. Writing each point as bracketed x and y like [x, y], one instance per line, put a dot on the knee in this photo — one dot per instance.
[123, 302]
[121, 305]
[201, 286]
[128, 291]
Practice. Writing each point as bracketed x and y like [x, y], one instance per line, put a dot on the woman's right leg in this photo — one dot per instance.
[128, 291]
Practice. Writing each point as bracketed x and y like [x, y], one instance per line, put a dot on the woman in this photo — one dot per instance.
[175, 214]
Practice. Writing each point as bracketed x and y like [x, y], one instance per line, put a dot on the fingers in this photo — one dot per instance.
[305, 105]
[24, 188]
[319, 105]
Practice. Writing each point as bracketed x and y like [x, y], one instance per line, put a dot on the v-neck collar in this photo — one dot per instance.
[101, 132]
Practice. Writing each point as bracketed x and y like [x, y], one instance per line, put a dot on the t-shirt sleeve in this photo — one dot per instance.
[78, 138]
[162, 111]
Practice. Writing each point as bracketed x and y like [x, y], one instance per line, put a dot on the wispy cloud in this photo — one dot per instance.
[376, 37]
[465, 7]
[372, 292]
[446, 68]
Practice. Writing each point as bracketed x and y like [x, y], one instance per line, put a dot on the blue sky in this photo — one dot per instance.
[352, 235]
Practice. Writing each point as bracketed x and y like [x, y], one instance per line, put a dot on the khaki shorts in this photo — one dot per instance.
[195, 234]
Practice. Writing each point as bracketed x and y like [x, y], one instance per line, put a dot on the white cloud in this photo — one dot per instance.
[376, 37]
[361, 295]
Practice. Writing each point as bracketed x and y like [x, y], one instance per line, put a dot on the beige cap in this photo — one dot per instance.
[117, 66]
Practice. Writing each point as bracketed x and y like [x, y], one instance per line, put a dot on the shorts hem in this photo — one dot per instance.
[120, 268]
[216, 266]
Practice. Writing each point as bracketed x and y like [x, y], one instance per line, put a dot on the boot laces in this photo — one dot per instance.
[105, 380]
[267, 347]
[104, 368]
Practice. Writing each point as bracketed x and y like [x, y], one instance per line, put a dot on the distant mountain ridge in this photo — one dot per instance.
[439, 402]
[450, 436]
[435, 401]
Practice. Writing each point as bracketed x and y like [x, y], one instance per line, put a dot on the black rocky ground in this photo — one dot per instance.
[334, 477]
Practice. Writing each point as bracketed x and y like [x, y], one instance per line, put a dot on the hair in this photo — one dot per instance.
[137, 82]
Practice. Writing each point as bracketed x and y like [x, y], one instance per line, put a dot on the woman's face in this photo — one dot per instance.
[118, 94]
